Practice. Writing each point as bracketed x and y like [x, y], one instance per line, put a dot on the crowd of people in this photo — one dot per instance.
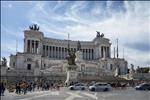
[23, 87]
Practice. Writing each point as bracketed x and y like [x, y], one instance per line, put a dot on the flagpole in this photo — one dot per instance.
[16, 45]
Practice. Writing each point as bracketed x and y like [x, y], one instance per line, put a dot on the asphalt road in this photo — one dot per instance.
[65, 94]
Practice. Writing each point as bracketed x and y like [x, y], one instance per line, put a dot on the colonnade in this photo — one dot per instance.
[105, 51]
[61, 52]
[54, 52]
[32, 46]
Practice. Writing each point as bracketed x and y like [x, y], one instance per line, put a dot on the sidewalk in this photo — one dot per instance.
[7, 93]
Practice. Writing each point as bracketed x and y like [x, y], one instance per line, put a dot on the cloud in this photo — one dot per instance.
[6, 5]
[129, 22]
[140, 46]
[126, 20]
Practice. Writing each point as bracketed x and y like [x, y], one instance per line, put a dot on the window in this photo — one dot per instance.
[28, 66]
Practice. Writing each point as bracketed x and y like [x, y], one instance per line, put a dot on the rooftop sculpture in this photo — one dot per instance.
[99, 35]
[34, 27]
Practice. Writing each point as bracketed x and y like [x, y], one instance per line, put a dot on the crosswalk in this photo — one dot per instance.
[70, 95]
[93, 96]
[42, 94]
[65, 94]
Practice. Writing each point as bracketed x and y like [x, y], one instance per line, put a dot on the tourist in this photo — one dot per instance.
[18, 88]
[24, 87]
[2, 88]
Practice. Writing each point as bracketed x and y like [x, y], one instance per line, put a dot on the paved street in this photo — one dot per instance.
[65, 94]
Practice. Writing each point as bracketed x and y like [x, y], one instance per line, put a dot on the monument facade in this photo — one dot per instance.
[48, 56]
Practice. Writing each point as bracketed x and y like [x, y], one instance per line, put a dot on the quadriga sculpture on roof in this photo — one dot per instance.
[34, 27]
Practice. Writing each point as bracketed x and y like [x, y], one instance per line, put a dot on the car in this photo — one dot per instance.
[143, 86]
[77, 86]
[100, 87]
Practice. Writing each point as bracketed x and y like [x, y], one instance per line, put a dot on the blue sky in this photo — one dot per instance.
[127, 21]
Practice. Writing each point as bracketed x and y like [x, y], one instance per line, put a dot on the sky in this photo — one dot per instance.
[129, 21]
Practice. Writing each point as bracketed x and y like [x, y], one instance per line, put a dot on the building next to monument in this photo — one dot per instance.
[44, 56]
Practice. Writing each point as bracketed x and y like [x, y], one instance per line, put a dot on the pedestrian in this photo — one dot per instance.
[2, 88]
[16, 86]
[19, 88]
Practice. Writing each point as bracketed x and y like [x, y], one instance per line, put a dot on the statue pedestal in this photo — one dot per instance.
[71, 74]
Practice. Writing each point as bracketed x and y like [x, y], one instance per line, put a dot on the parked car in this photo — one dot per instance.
[143, 86]
[78, 86]
[100, 87]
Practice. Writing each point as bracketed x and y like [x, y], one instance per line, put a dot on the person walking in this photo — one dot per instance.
[2, 88]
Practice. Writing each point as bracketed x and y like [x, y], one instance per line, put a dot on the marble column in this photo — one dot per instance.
[91, 54]
[48, 51]
[25, 45]
[83, 53]
[88, 54]
[61, 53]
[104, 52]
[40, 48]
[30, 46]
[34, 46]
[44, 47]
[109, 52]
[52, 51]
[45, 50]
[37, 48]
[101, 51]
[66, 52]
[57, 52]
